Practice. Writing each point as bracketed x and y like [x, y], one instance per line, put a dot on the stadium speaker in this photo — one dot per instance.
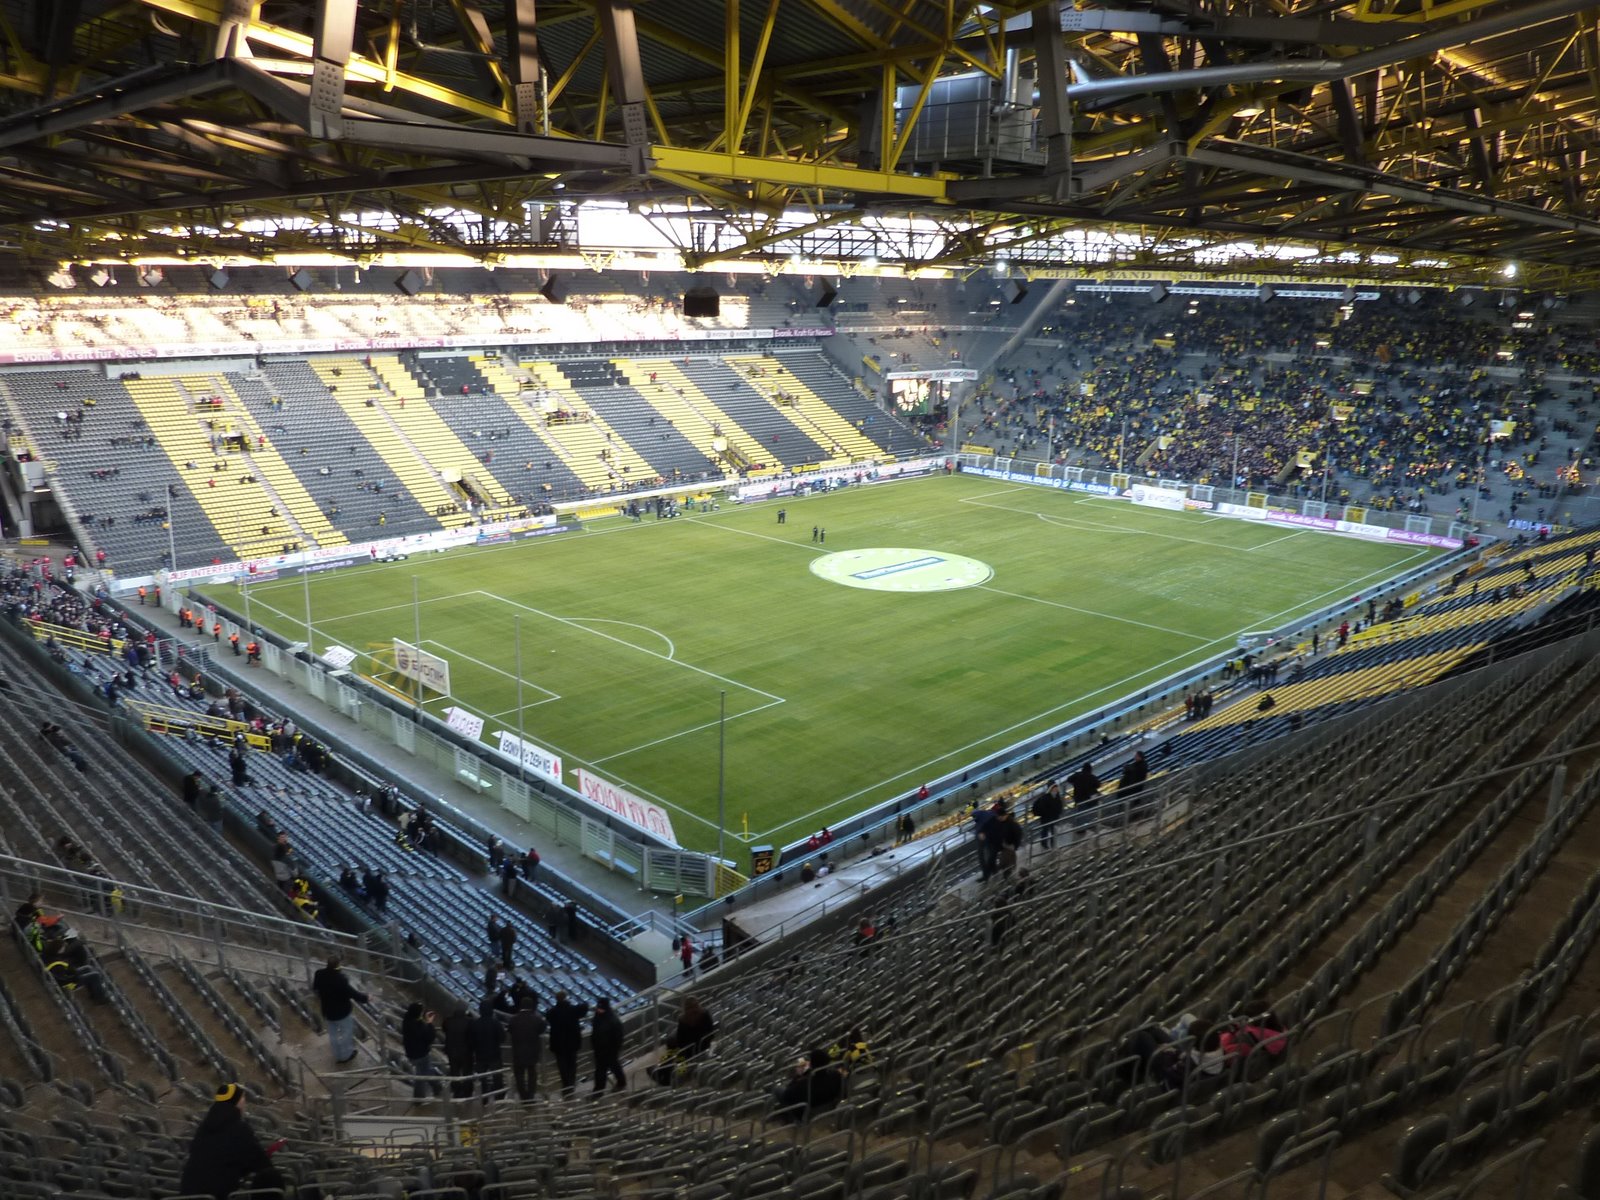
[102, 278]
[1266, 292]
[702, 302]
[1348, 295]
[410, 283]
[219, 278]
[554, 290]
[1015, 291]
[1466, 297]
[825, 293]
[1413, 296]
[300, 280]
[1158, 293]
[151, 277]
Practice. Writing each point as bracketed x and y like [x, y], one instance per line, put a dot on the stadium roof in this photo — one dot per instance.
[1438, 141]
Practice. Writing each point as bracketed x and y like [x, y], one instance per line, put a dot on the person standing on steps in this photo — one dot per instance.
[508, 945]
[566, 1038]
[417, 1036]
[338, 998]
[527, 1029]
[605, 1039]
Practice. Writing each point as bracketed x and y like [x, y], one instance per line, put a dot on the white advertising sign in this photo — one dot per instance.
[1157, 497]
[428, 669]
[647, 816]
[464, 722]
[541, 762]
[338, 657]
[1242, 510]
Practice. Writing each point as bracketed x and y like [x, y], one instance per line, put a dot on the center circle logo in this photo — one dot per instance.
[897, 569]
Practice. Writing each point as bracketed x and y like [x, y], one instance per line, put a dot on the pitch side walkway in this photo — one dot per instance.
[421, 780]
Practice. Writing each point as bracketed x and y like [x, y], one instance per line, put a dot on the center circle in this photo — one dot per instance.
[898, 569]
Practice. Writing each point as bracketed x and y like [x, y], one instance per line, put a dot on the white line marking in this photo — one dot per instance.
[696, 729]
[511, 675]
[1089, 612]
[752, 533]
[619, 641]
[1275, 541]
[671, 649]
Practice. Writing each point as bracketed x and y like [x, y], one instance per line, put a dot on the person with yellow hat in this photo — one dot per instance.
[225, 1150]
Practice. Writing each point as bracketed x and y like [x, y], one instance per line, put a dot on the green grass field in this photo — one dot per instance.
[837, 697]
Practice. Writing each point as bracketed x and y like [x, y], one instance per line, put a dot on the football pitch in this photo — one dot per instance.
[942, 618]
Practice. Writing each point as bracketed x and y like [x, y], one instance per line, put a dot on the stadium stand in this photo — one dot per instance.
[359, 393]
[616, 393]
[812, 370]
[327, 452]
[770, 425]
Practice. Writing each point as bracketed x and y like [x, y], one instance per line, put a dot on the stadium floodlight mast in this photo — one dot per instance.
[522, 778]
[305, 583]
[722, 747]
[172, 525]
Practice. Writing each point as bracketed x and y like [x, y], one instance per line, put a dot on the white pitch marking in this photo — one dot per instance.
[1089, 612]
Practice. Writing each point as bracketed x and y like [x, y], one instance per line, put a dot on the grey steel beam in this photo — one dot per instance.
[1314, 70]
[141, 90]
[1304, 169]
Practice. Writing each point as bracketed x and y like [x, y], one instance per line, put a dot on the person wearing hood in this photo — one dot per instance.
[225, 1152]
[418, 1035]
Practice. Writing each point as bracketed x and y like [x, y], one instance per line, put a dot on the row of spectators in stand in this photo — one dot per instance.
[616, 309]
[1257, 384]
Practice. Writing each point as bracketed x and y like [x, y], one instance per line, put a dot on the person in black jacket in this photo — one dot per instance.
[605, 1039]
[418, 1035]
[225, 1151]
[527, 1044]
[337, 997]
[566, 1038]
[695, 1027]
[1131, 782]
[817, 1084]
[508, 945]
[487, 1035]
[1047, 810]
[457, 1030]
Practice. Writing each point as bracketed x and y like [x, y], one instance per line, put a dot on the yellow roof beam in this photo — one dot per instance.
[788, 172]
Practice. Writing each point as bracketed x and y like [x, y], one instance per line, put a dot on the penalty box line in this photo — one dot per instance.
[538, 612]
[549, 696]
[771, 699]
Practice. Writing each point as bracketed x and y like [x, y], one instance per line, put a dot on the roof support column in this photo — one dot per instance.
[233, 27]
[331, 49]
[528, 90]
[626, 73]
[1055, 114]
